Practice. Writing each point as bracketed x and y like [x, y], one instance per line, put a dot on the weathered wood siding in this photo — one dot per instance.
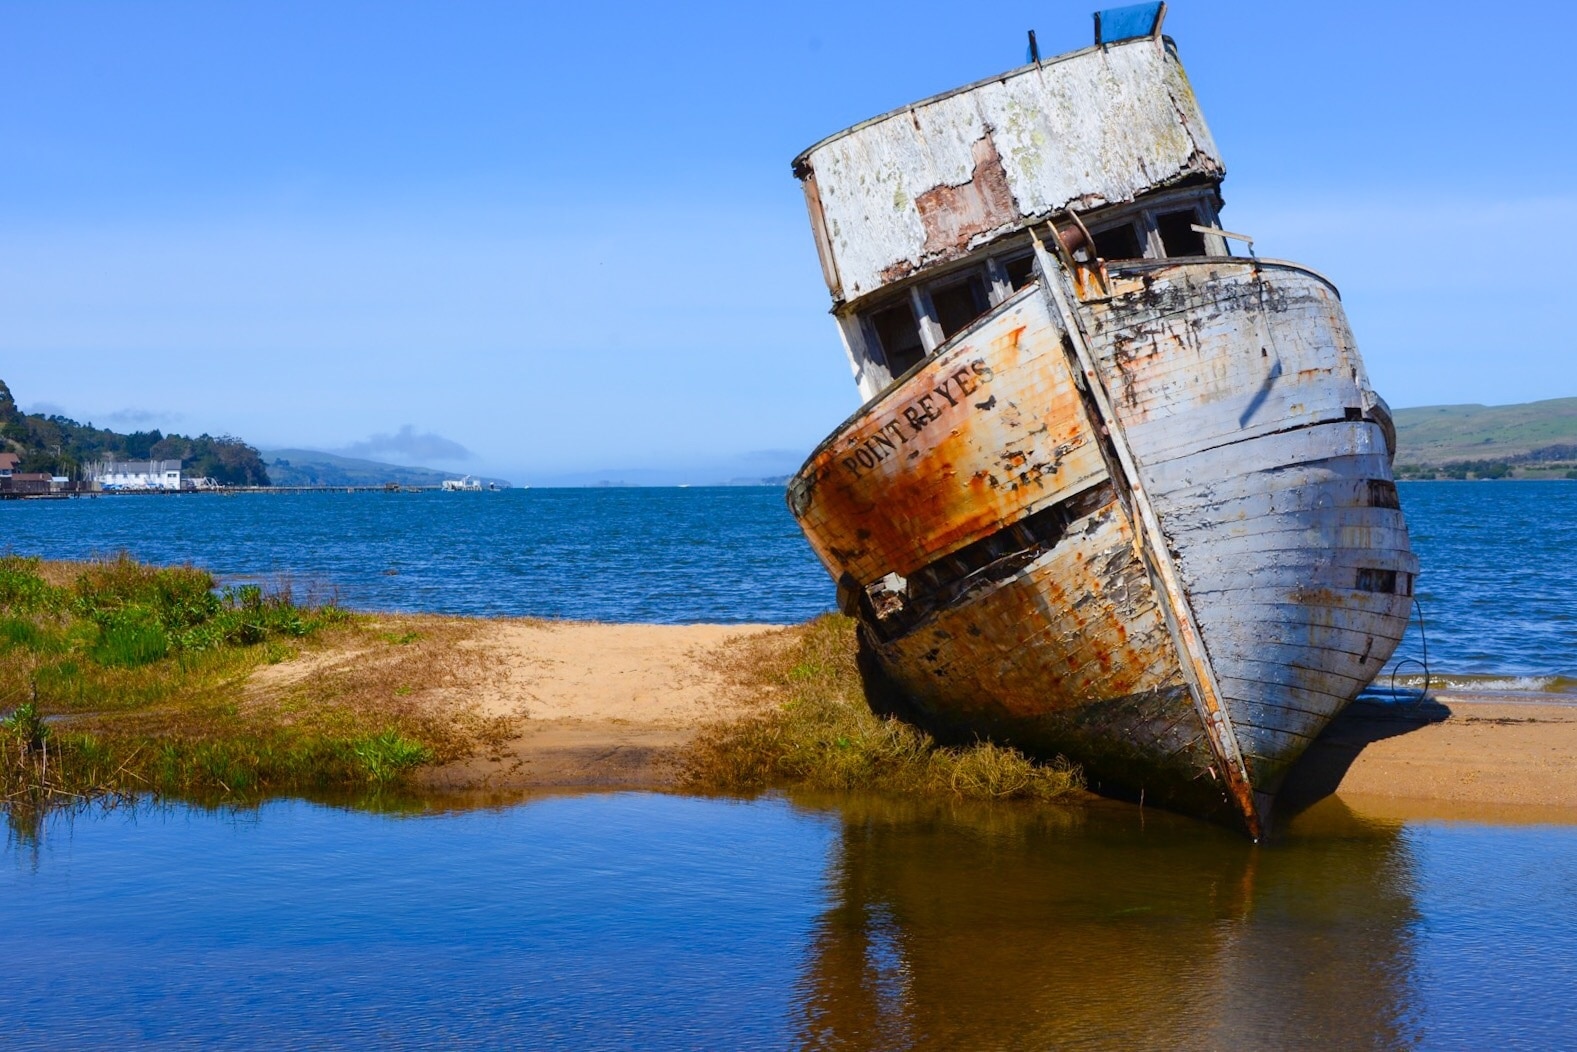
[1071, 656]
[982, 434]
[1068, 652]
[925, 184]
[1242, 396]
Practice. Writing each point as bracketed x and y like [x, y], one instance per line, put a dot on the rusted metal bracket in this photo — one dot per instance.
[1156, 555]
[1091, 281]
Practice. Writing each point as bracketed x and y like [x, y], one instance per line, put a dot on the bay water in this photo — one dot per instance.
[644, 920]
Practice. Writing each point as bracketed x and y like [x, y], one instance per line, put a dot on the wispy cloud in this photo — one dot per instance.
[139, 418]
[128, 419]
[406, 442]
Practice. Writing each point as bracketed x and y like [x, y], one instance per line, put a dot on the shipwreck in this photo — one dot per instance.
[1119, 491]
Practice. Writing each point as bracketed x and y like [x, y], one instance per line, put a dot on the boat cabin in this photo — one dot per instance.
[922, 216]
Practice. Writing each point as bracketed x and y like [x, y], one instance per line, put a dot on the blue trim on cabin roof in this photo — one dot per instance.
[1126, 23]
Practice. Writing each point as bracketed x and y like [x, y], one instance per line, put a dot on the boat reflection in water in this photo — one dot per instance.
[959, 926]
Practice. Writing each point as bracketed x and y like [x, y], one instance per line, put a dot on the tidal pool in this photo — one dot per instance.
[654, 921]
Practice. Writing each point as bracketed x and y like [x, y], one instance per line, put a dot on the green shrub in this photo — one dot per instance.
[23, 589]
[17, 632]
[129, 644]
[176, 597]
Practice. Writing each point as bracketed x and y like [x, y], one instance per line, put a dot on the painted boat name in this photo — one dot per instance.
[914, 416]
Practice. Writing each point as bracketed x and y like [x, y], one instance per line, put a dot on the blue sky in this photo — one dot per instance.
[565, 238]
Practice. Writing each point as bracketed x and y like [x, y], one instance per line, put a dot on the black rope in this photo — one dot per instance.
[1423, 637]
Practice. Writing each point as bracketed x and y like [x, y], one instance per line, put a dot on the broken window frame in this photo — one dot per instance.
[977, 280]
[990, 267]
[873, 337]
[1141, 235]
[1195, 219]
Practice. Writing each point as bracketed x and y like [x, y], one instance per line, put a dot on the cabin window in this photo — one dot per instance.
[899, 335]
[1382, 494]
[1118, 242]
[958, 303]
[1178, 236]
[1020, 271]
[1371, 580]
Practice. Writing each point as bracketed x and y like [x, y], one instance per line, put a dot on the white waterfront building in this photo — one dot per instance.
[137, 474]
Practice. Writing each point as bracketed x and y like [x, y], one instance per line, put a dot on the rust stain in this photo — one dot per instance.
[934, 466]
[951, 215]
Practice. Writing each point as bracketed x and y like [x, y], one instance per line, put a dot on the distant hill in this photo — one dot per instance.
[1528, 440]
[310, 467]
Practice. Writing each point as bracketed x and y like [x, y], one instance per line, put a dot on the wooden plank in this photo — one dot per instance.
[1309, 699]
[1323, 680]
[1158, 559]
[1316, 599]
[1351, 650]
[1229, 522]
[1294, 565]
[1323, 444]
[1078, 623]
[1241, 351]
[1281, 491]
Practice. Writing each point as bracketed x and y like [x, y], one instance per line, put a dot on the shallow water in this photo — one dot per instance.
[638, 920]
[723, 554]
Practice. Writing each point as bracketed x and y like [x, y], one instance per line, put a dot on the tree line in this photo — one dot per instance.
[59, 445]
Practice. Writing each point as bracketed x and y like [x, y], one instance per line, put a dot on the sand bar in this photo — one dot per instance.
[601, 705]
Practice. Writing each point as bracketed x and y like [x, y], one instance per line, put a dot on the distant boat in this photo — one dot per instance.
[461, 485]
[1115, 493]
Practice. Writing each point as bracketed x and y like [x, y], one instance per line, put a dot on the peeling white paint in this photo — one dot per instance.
[1096, 127]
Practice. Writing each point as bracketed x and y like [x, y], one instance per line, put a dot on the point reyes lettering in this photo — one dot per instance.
[915, 416]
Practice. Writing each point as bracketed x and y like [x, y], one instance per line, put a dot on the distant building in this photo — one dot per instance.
[27, 484]
[8, 463]
[136, 474]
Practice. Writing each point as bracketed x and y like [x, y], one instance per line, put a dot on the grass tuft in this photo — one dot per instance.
[25, 728]
[814, 730]
[387, 756]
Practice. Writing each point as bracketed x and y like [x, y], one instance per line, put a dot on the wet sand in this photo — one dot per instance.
[597, 705]
[614, 705]
[1472, 755]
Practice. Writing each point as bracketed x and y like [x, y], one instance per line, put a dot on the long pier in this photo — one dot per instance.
[226, 491]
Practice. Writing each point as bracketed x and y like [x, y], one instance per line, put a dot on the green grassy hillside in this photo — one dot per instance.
[309, 467]
[1532, 440]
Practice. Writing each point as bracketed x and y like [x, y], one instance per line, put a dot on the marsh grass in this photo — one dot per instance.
[812, 729]
[120, 678]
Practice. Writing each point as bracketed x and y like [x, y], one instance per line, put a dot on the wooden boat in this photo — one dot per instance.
[1116, 493]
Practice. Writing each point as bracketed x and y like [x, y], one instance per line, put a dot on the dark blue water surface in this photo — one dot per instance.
[723, 554]
[1498, 588]
[615, 921]
[1498, 579]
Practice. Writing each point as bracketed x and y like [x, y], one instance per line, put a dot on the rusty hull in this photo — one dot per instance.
[1152, 531]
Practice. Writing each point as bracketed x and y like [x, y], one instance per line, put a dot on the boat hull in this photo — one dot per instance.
[1152, 530]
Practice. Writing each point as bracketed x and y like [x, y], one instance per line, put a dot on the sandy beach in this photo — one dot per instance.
[1494, 756]
[596, 705]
